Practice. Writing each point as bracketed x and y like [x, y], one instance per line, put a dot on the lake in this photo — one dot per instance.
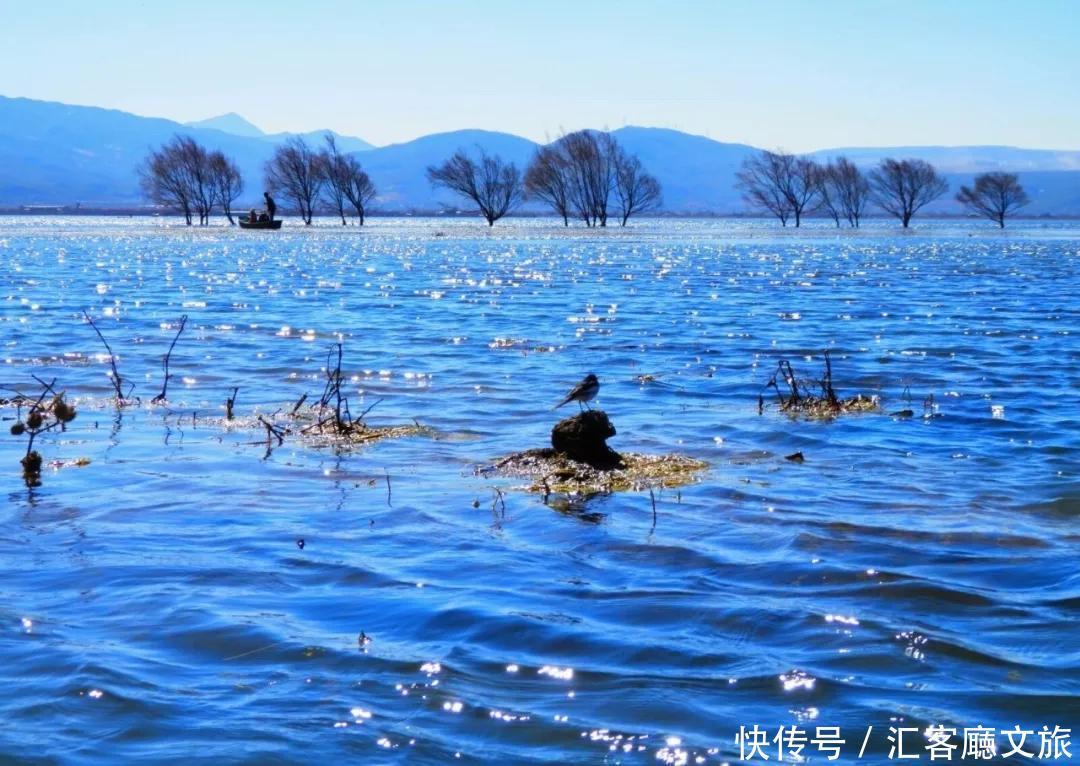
[157, 604]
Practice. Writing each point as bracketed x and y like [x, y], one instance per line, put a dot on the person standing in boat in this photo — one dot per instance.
[271, 208]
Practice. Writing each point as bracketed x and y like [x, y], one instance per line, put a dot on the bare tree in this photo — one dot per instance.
[591, 157]
[360, 189]
[335, 173]
[995, 196]
[296, 171]
[195, 161]
[494, 185]
[227, 182]
[902, 187]
[801, 188]
[183, 174]
[636, 190]
[851, 186]
[783, 184]
[164, 179]
[548, 179]
[828, 195]
[346, 181]
[763, 180]
[843, 191]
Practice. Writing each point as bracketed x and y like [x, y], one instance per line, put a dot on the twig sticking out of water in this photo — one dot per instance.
[332, 396]
[332, 409]
[784, 371]
[230, 403]
[160, 398]
[826, 384]
[272, 432]
[117, 381]
[389, 491]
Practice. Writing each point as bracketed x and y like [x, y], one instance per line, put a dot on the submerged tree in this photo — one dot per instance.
[902, 187]
[196, 162]
[828, 195]
[184, 175]
[995, 196]
[227, 182]
[331, 163]
[761, 180]
[593, 163]
[296, 172]
[164, 179]
[851, 187]
[548, 179]
[782, 184]
[843, 190]
[637, 191]
[494, 185]
[346, 181]
[582, 173]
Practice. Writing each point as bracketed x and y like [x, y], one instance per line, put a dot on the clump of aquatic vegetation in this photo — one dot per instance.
[814, 398]
[551, 472]
[329, 420]
[579, 462]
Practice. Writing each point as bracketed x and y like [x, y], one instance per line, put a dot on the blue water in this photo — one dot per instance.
[155, 604]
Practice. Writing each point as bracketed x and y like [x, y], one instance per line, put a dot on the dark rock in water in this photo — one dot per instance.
[583, 438]
[795, 457]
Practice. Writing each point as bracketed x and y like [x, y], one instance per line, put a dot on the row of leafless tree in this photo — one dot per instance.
[307, 177]
[584, 175]
[182, 174]
[791, 187]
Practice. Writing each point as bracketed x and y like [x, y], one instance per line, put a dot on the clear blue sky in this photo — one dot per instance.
[794, 74]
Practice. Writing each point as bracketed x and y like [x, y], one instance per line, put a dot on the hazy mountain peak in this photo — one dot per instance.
[231, 123]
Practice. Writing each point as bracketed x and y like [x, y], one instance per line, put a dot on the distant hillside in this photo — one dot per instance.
[58, 154]
[697, 173]
[966, 159]
[54, 153]
[399, 170]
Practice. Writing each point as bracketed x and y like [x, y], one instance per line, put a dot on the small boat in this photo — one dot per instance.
[246, 224]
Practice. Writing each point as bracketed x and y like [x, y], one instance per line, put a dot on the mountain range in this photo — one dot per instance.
[59, 154]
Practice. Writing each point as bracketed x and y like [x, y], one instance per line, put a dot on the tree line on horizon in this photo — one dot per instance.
[586, 176]
[790, 187]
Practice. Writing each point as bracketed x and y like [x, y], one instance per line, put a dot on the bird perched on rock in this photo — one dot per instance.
[583, 392]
